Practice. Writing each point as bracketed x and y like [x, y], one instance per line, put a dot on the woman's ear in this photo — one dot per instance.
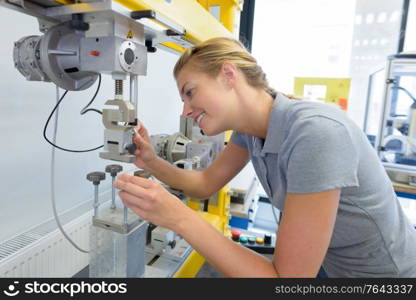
[229, 72]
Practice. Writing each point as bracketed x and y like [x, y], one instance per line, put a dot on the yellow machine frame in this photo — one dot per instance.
[199, 24]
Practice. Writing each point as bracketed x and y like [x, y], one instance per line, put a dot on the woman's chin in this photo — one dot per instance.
[211, 131]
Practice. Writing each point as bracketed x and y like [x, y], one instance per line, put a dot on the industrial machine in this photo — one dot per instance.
[396, 139]
[244, 205]
[82, 40]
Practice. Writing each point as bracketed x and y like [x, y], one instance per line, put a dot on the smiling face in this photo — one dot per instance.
[206, 100]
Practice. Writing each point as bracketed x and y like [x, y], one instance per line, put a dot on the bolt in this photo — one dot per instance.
[96, 178]
[113, 170]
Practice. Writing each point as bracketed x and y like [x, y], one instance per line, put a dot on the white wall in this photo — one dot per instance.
[25, 156]
[302, 38]
[326, 38]
[410, 38]
[375, 36]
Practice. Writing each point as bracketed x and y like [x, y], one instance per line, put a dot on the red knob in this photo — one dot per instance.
[95, 53]
[235, 234]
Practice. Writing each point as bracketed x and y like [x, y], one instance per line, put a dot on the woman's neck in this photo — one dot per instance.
[253, 113]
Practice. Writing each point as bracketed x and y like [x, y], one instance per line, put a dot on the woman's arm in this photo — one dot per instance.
[202, 184]
[305, 233]
[303, 236]
[303, 239]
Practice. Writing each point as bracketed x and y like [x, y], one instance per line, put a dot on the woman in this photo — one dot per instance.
[317, 167]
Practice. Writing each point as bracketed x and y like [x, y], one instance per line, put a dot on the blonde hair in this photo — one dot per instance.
[209, 56]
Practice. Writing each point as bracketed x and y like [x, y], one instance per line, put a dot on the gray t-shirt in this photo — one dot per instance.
[312, 147]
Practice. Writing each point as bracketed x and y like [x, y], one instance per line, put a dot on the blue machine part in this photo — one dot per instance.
[394, 145]
[239, 222]
[400, 159]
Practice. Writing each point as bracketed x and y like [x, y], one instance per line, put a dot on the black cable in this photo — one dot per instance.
[93, 109]
[83, 111]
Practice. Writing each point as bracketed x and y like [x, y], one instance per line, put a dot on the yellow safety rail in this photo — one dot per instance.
[194, 262]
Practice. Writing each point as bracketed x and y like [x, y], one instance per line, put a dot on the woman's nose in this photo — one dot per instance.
[187, 111]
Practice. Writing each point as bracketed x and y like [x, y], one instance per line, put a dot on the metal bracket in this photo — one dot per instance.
[125, 113]
[173, 28]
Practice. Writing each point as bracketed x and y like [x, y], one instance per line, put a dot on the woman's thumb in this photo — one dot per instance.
[138, 139]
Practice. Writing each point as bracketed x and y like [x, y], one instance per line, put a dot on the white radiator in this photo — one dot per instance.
[46, 253]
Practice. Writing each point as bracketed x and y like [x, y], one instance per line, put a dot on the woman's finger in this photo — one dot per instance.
[142, 130]
[132, 201]
[142, 182]
[132, 204]
[131, 188]
[123, 177]
[138, 140]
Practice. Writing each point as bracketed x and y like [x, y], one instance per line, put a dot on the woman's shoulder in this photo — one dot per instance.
[315, 115]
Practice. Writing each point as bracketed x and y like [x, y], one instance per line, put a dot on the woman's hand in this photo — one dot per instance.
[148, 199]
[145, 153]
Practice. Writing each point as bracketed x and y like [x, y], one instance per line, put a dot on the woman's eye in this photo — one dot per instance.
[189, 93]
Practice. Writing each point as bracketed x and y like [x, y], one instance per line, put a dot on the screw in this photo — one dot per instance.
[113, 170]
[95, 178]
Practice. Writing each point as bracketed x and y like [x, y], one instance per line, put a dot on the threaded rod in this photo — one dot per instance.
[119, 87]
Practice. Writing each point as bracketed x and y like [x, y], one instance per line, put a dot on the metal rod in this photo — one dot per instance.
[403, 26]
[134, 82]
[136, 91]
[95, 200]
[113, 194]
[125, 216]
[131, 96]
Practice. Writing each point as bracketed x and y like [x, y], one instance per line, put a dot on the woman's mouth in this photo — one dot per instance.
[199, 119]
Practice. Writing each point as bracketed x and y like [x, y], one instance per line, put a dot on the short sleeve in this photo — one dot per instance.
[238, 139]
[322, 157]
